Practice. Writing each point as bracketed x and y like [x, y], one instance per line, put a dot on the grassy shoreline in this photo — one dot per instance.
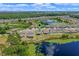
[62, 41]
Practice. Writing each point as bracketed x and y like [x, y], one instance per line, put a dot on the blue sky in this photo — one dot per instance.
[39, 6]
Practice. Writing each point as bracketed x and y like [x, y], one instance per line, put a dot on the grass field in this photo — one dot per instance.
[3, 38]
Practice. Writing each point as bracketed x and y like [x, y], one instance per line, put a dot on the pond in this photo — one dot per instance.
[49, 21]
[52, 49]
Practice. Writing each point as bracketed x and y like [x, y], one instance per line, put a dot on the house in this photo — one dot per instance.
[77, 29]
[29, 34]
[22, 33]
[38, 31]
[46, 30]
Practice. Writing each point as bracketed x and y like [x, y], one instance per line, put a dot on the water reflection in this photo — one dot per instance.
[69, 49]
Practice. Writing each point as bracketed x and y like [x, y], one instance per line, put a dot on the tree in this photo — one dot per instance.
[10, 51]
[19, 20]
[19, 50]
[14, 39]
[65, 36]
[2, 30]
[31, 51]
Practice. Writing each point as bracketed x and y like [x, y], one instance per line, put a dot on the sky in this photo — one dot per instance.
[39, 6]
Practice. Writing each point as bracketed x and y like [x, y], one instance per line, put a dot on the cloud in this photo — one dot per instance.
[43, 7]
[68, 4]
[39, 7]
[22, 5]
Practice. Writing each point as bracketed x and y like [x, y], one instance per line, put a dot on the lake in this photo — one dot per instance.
[52, 49]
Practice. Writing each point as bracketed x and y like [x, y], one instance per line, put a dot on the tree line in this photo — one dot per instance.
[15, 15]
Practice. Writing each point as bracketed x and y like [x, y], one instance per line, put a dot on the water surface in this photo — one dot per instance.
[52, 49]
